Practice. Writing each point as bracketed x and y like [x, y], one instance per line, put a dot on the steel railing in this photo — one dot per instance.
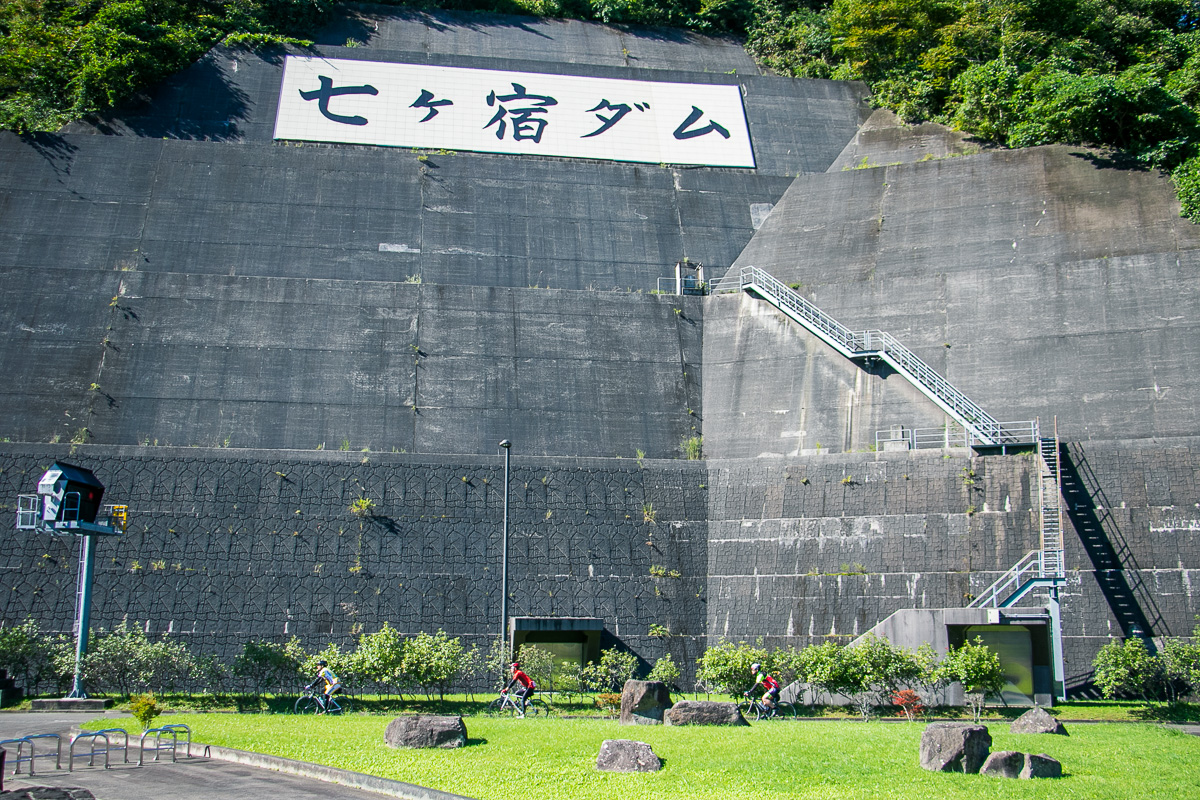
[1023, 432]
[983, 429]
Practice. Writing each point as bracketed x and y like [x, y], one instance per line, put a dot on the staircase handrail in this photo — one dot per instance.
[870, 344]
[1014, 577]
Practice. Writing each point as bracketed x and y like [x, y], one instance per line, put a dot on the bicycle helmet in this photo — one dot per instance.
[516, 665]
[755, 667]
[322, 663]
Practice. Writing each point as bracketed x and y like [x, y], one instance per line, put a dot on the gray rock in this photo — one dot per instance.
[1041, 765]
[643, 702]
[703, 712]
[1037, 720]
[625, 755]
[425, 731]
[954, 747]
[1003, 764]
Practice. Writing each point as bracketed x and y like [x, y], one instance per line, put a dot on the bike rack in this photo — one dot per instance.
[92, 736]
[167, 730]
[108, 746]
[21, 741]
[179, 726]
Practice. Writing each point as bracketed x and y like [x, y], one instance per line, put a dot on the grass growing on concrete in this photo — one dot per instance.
[553, 758]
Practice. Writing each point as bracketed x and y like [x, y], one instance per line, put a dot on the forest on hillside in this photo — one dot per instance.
[1117, 74]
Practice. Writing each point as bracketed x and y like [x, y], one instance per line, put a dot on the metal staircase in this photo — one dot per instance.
[872, 346]
[1042, 568]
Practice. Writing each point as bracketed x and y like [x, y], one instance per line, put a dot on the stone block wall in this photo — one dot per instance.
[804, 550]
[831, 545]
[227, 546]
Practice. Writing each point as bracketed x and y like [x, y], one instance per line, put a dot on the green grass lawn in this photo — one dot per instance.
[554, 758]
[469, 705]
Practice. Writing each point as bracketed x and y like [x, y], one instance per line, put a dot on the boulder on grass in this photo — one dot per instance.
[417, 730]
[643, 702]
[703, 712]
[1040, 765]
[1003, 764]
[624, 755]
[1037, 720]
[954, 747]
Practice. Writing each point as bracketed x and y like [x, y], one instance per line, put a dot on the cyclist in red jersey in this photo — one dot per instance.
[525, 685]
[770, 686]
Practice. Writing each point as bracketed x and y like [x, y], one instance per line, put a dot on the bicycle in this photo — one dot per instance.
[508, 704]
[751, 704]
[311, 702]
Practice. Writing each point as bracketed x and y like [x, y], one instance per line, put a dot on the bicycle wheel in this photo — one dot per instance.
[537, 707]
[785, 711]
[339, 705]
[746, 709]
[306, 705]
[495, 707]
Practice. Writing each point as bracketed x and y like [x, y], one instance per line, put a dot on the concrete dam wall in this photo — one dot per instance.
[243, 336]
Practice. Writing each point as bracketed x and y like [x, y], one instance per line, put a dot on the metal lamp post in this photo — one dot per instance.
[506, 445]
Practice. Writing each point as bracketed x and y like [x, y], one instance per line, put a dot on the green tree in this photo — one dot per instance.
[1181, 667]
[379, 657]
[665, 670]
[538, 664]
[617, 666]
[823, 668]
[29, 656]
[873, 38]
[725, 667]
[264, 666]
[572, 680]
[433, 662]
[124, 659]
[873, 669]
[1128, 669]
[977, 668]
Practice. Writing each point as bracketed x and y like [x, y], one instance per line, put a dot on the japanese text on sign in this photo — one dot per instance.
[413, 105]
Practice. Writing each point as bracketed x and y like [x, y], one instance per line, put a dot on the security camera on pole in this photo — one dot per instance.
[66, 504]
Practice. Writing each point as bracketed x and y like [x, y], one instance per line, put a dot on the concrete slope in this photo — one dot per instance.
[1040, 282]
[564, 41]
[222, 361]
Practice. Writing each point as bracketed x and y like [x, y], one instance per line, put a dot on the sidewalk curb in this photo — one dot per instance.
[343, 777]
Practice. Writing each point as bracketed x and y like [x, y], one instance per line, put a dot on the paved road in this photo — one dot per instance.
[187, 779]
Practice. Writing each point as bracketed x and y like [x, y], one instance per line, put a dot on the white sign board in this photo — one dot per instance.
[415, 105]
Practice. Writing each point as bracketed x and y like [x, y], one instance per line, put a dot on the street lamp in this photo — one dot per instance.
[506, 445]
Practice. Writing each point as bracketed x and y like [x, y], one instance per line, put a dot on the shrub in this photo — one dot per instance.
[616, 667]
[125, 659]
[266, 665]
[571, 680]
[978, 670]
[909, 702]
[433, 661]
[608, 701]
[873, 669]
[1186, 178]
[1128, 669]
[1181, 665]
[726, 667]
[665, 670]
[32, 657]
[379, 657]
[144, 709]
